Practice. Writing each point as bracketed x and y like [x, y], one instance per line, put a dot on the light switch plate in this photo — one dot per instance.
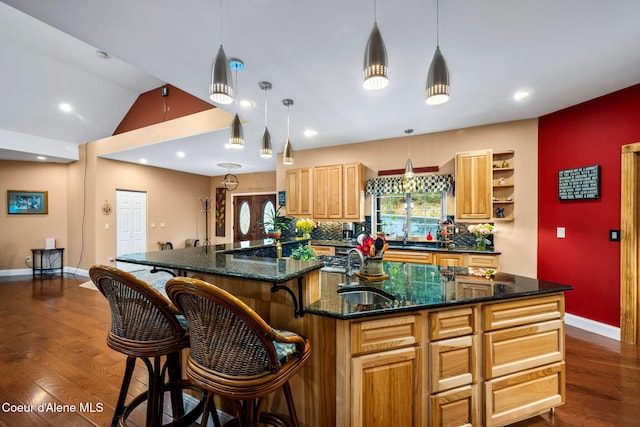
[614, 235]
[560, 232]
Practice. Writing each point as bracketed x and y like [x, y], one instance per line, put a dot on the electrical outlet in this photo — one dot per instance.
[111, 259]
[28, 259]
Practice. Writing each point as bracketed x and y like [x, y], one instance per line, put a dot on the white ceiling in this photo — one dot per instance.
[563, 51]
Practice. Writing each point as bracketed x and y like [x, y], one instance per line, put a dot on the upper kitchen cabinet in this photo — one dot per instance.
[299, 187]
[338, 192]
[473, 185]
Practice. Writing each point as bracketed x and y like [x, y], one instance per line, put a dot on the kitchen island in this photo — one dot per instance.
[431, 345]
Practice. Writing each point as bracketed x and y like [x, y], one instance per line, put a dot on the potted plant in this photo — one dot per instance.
[274, 223]
[304, 253]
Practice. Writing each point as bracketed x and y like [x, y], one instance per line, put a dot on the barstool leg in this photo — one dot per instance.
[293, 417]
[124, 389]
[174, 369]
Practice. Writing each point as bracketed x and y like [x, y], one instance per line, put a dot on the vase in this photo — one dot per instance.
[372, 266]
[481, 243]
[306, 235]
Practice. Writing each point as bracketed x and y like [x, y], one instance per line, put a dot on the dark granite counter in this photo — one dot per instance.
[412, 287]
[223, 261]
[410, 246]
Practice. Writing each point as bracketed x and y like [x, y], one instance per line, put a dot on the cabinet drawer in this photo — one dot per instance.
[522, 312]
[515, 349]
[453, 363]
[385, 334]
[451, 260]
[324, 250]
[477, 260]
[458, 407]
[417, 257]
[523, 395]
[452, 323]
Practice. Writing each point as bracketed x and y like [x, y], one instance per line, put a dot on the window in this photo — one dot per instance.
[420, 211]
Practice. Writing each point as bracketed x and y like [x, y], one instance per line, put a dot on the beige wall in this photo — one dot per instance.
[517, 239]
[20, 233]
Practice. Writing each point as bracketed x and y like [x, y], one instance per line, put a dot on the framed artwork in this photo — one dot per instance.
[221, 211]
[27, 202]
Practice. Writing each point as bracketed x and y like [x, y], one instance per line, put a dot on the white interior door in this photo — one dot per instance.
[131, 225]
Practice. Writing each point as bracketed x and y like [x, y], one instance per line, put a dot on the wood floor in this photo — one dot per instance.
[53, 352]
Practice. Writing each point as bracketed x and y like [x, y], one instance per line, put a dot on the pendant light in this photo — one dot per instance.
[408, 169]
[437, 91]
[236, 139]
[287, 155]
[375, 58]
[220, 89]
[230, 181]
[265, 149]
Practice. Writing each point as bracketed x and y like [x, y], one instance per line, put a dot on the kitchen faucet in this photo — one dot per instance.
[350, 272]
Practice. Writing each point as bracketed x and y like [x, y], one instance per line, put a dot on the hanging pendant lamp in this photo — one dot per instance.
[375, 59]
[220, 89]
[437, 91]
[408, 169]
[265, 149]
[230, 181]
[287, 155]
[236, 139]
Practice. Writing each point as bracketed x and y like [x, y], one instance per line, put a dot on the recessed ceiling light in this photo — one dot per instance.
[247, 103]
[143, 161]
[180, 154]
[41, 158]
[310, 133]
[520, 95]
[65, 107]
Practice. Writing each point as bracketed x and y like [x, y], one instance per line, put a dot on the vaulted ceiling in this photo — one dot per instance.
[563, 52]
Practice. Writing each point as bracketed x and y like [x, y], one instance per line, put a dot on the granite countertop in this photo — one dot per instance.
[215, 260]
[246, 245]
[412, 287]
[413, 246]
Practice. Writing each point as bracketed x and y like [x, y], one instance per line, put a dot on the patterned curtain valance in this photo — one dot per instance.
[400, 185]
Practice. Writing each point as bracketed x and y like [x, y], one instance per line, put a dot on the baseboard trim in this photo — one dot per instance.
[27, 272]
[592, 326]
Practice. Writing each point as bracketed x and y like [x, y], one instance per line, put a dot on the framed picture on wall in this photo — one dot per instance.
[27, 202]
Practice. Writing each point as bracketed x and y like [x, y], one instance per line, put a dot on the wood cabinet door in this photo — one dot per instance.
[334, 191]
[305, 191]
[457, 407]
[320, 192]
[293, 191]
[386, 389]
[353, 192]
[473, 185]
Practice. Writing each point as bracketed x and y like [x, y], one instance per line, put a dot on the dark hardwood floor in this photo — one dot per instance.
[53, 351]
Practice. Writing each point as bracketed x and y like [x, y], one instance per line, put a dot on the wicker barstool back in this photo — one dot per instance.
[143, 325]
[233, 350]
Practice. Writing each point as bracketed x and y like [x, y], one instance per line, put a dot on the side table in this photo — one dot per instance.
[47, 261]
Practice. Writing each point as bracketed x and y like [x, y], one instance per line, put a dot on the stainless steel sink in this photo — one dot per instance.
[367, 296]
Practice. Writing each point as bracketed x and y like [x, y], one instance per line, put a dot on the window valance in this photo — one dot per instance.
[400, 185]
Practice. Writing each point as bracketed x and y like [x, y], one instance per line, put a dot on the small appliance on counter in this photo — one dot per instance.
[347, 231]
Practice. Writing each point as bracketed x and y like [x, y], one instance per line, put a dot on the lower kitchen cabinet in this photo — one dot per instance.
[416, 257]
[457, 407]
[386, 388]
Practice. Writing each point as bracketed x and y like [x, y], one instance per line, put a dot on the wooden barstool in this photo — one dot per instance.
[235, 354]
[144, 326]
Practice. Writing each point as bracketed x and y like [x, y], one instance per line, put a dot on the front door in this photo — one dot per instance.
[248, 214]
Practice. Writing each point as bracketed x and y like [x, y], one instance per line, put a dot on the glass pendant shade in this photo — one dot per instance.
[221, 87]
[265, 149]
[375, 61]
[236, 140]
[437, 91]
[408, 169]
[287, 156]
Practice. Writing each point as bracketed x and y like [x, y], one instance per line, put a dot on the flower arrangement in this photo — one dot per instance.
[305, 225]
[373, 247]
[481, 230]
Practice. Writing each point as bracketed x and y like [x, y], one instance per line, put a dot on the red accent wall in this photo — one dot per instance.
[586, 134]
[152, 108]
